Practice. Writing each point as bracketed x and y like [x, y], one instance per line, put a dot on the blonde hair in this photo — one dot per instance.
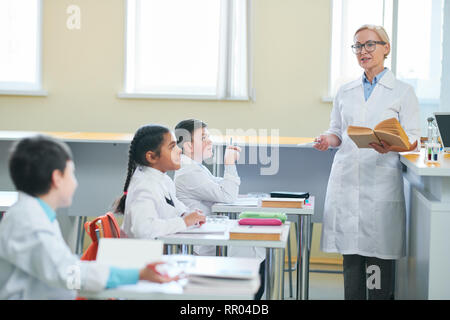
[379, 30]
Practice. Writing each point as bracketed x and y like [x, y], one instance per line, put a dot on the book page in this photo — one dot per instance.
[362, 136]
[393, 139]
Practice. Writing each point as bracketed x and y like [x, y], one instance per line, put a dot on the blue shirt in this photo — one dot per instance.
[368, 87]
[117, 276]
[47, 209]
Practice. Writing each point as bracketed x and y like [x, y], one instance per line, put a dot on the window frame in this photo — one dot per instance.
[393, 25]
[125, 94]
[37, 89]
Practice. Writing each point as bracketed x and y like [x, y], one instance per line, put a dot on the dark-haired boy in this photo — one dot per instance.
[35, 262]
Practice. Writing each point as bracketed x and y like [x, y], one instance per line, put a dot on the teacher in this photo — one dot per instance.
[364, 213]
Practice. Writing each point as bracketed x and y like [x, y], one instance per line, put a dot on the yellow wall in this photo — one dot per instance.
[83, 72]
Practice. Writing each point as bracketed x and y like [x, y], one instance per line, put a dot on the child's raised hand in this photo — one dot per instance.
[195, 217]
[232, 154]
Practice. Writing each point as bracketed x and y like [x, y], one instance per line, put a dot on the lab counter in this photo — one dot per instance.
[425, 271]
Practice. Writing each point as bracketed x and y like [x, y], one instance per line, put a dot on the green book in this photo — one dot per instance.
[264, 215]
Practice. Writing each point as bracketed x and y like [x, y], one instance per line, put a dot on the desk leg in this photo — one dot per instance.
[268, 272]
[303, 280]
[80, 235]
[274, 273]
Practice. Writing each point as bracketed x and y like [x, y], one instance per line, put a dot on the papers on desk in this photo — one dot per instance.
[224, 268]
[206, 228]
[174, 287]
[223, 286]
[224, 274]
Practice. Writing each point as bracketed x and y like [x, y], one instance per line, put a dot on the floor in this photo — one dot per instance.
[322, 286]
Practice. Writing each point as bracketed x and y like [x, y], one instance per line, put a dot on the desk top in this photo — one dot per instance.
[183, 289]
[308, 209]
[7, 199]
[109, 137]
[415, 161]
[224, 239]
[139, 292]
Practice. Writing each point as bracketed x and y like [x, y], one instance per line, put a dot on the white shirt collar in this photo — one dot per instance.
[185, 161]
[152, 171]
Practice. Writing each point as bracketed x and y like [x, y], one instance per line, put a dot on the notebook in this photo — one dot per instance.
[206, 228]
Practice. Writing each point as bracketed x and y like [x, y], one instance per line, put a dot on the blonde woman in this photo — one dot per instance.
[364, 213]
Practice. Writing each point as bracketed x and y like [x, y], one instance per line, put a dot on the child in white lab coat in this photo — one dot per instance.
[35, 261]
[149, 203]
[199, 189]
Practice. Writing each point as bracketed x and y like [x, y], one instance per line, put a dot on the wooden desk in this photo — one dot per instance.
[423, 273]
[274, 252]
[303, 219]
[176, 291]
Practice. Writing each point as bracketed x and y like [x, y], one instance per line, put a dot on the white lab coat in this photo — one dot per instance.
[148, 215]
[35, 261]
[364, 209]
[197, 188]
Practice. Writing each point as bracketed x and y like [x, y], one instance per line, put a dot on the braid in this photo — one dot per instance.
[146, 138]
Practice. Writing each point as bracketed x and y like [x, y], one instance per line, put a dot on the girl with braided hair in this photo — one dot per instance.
[148, 203]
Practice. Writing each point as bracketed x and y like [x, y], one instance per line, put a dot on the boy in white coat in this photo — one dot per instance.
[199, 189]
[35, 261]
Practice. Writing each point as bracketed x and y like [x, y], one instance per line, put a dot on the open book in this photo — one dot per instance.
[388, 130]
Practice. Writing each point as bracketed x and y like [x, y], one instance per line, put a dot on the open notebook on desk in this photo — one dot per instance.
[206, 228]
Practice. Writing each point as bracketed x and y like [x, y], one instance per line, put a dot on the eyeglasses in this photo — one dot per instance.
[370, 46]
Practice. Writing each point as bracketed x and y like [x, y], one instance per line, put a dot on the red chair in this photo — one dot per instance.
[104, 226]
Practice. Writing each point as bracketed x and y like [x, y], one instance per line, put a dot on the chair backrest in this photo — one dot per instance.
[102, 227]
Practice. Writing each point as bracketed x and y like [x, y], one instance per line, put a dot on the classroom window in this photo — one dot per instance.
[20, 45]
[196, 49]
[415, 30]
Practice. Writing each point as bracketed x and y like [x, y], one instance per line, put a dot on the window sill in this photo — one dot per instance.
[126, 95]
[33, 93]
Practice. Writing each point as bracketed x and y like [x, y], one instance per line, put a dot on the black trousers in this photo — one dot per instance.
[262, 276]
[368, 278]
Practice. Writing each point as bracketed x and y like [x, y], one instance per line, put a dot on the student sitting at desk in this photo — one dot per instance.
[35, 261]
[148, 202]
[199, 189]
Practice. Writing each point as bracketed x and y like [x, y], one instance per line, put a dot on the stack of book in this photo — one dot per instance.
[248, 232]
[282, 202]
